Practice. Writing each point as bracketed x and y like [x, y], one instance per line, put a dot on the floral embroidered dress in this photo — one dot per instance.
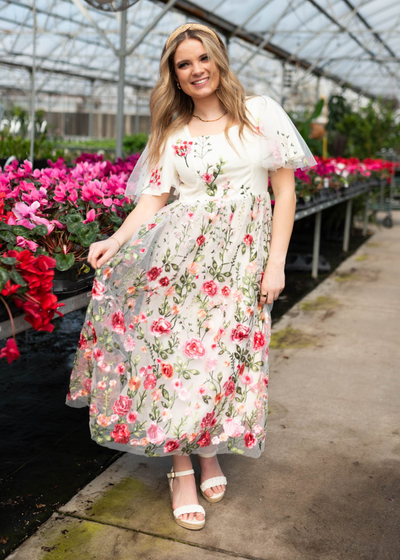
[173, 354]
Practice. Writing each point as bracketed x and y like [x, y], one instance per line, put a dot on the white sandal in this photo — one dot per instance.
[195, 524]
[210, 482]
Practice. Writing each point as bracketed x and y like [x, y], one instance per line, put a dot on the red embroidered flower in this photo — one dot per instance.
[167, 370]
[209, 420]
[98, 289]
[239, 333]
[250, 440]
[248, 239]
[226, 291]
[210, 288]
[259, 340]
[83, 343]
[171, 445]
[122, 405]
[241, 369]
[160, 326]
[229, 387]
[200, 240]
[164, 281]
[204, 440]
[121, 433]
[153, 273]
[118, 322]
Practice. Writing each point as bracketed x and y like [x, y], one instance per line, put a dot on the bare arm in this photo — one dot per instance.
[102, 251]
[283, 185]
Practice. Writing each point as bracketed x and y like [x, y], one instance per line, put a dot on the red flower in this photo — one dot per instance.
[167, 370]
[259, 340]
[210, 288]
[9, 289]
[248, 239]
[160, 326]
[118, 322]
[250, 440]
[122, 405]
[121, 433]
[239, 333]
[241, 369]
[209, 420]
[10, 351]
[164, 281]
[150, 381]
[171, 445]
[204, 440]
[226, 291]
[153, 273]
[83, 343]
[200, 240]
[229, 387]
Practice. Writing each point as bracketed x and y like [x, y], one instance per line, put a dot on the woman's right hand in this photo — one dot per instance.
[102, 251]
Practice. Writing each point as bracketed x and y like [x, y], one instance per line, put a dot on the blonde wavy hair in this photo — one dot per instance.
[171, 108]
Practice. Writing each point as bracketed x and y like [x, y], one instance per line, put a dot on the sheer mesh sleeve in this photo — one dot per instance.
[162, 178]
[282, 144]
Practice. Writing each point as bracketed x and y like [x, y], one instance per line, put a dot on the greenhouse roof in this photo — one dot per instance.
[353, 43]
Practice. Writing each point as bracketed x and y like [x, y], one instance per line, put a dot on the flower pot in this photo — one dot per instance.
[70, 281]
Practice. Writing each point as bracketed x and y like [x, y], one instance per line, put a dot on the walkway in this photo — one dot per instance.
[328, 485]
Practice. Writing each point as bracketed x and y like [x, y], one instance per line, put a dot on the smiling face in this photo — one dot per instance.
[196, 74]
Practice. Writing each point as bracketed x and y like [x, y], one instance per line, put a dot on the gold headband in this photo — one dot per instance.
[187, 26]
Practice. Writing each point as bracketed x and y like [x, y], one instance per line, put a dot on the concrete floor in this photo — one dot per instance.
[327, 486]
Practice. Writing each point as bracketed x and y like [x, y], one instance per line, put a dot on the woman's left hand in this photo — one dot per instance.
[272, 284]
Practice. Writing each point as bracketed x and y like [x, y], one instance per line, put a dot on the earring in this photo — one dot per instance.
[178, 85]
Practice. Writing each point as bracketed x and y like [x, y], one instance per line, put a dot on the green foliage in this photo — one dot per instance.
[303, 124]
[363, 133]
[135, 143]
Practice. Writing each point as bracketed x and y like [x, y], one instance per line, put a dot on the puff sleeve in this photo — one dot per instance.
[155, 181]
[281, 144]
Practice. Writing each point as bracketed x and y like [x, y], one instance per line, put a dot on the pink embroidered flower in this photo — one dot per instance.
[129, 343]
[118, 322]
[233, 428]
[226, 291]
[122, 405]
[150, 381]
[248, 239]
[247, 378]
[176, 384]
[98, 354]
[210, 288]
[132, 417]
[161, 326]
[207, 177]
[229, 387]
[240, 332]
[155, 434]
[259, 340]
[183, 149]
[194, 348]
[98, 290]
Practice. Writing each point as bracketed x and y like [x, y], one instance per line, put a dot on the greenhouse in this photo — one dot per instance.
[199, 204]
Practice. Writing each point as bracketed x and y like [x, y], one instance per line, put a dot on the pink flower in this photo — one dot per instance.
[26, 243]
[210, 288]
[98, 354]
[176, 384]
[150, 381]
[155, 434]
[98, 290]
[132, 417]
[207, 177]
[129, 343]
[259, 340]
[160, 326]
[90, 216]
[101, 385]
[122, 405]
[239, 333]
[233, 428]
[247, 378]
[248, 239]
[121, 433]
[194, 348]
[118, 322]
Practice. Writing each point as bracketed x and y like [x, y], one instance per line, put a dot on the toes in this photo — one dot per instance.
[209, 492]
[200, 516]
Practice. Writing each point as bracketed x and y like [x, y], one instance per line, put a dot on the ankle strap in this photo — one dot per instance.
[174, 474]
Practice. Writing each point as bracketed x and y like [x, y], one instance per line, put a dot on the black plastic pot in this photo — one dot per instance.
[70, 281]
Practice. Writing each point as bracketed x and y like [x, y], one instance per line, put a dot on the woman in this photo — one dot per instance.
[173, 356]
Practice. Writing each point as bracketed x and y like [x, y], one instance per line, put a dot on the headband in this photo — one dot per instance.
[187, 26]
